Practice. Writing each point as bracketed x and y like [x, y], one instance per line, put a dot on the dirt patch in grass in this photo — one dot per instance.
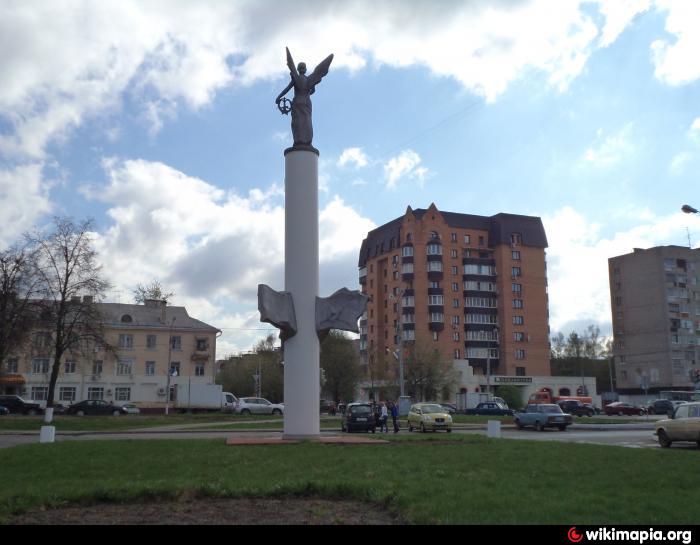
[280, 511]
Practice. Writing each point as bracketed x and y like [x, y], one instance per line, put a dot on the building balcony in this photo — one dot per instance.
[484, 365]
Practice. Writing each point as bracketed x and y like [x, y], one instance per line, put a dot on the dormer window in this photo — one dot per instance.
[126, 319]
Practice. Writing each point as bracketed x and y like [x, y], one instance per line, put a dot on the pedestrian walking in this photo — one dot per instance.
[383, 419]
[395, 417]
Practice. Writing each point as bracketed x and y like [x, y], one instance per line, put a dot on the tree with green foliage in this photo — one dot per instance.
[428, 373]
[154, 290]
[240, 374]
[340, 363]
[512, 395]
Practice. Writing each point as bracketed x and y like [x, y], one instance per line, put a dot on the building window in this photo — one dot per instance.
[124, 367]
[66, 393]
[480, 319]
[151, 341]
[519, 354]
[453, 253]
[467, 239]
[150, 369]
[481, 240]
[174, 368]
[126, 319]
[12, 365]
[433, 284]
[455, 270]
[515, 254]
[434, 249]
[407, 251]
[517, 303]
[437, 317]
[455, 303]
[480, 302]
[122, 393]
[97, 367]
[407, 268]
[395, 275]
[519, 371]
[517, 288]
[199, 370]
[96, 392]
[126, 341]
[455, 286]
[408, 318]
[456, 354]
[434, 234]
[473, 285]
[455, 320]
[435, 335]
[453, 237]
[516, 239]
[435, 266]
[40, 365]
[69, 367]
[516, 271]
[435, 299]
[455, 336]
[518, 320]
[409, 334]
[408, 301]
[42, 340]
[40, 393]
[519, 336]
[176, 342]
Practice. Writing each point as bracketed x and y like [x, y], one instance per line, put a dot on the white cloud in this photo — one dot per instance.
[211, 247]
[618, 15]
[64, 62]
[610, 150]
[577, 260]
[24, 197]
[353, 155]
[676, 60]
[679, 162]
[404, 165]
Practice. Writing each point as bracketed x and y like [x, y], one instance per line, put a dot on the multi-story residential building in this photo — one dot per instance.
[474, 287]
[655, 301]
[148, 348]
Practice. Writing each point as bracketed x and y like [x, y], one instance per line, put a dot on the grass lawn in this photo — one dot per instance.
[428, 479]
[123, 422]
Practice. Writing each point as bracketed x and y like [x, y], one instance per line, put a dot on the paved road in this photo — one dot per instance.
[633, 438]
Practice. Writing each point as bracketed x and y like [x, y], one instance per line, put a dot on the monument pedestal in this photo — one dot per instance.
[301, 352]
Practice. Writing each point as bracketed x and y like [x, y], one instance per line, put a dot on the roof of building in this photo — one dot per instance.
[499, 227]
[150, 316]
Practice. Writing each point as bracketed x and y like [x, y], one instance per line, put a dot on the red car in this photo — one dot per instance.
[618, 408]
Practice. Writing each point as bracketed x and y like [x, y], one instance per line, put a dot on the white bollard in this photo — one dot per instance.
[48, 434]
[493, 428]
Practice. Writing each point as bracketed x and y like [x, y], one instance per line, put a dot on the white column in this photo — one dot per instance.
[301, 352]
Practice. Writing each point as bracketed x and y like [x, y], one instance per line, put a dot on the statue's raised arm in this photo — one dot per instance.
[304, 86]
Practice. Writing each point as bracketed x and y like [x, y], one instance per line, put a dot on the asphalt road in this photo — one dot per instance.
[631, 438]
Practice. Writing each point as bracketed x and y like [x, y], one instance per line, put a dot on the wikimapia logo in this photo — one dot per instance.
[638, 536]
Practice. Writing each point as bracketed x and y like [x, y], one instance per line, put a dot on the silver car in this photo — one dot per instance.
[258, 405]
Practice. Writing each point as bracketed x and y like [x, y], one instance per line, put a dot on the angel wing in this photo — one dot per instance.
[320, 71]
[292, 67]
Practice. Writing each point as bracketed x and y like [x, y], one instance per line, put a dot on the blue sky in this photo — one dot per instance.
[158, 119]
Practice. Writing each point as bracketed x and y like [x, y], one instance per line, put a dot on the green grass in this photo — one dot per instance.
[437, 478]
[121, 423]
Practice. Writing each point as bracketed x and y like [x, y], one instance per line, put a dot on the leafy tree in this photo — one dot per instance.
[426, 371]
[239, 372]
[154, 290]
[18, 285]
[585, 354]
[511, 395]
[70, 283]
[340, 363]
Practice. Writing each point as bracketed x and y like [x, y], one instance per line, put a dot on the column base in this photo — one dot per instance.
[296, 437]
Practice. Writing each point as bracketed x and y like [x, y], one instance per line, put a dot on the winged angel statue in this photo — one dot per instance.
[304, 87]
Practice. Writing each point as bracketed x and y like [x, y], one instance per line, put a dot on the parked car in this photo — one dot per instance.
[683, 426]
[258, 405]
[130, 408]
[95, 406]
[662, 406]
[328, 406]
[490, 408]
[619, 408]
[451, 408]
[358, 417]
[16, 404]
[596, 410]
[4, 410]
[429, 416]
[575, 407]
[543, 415]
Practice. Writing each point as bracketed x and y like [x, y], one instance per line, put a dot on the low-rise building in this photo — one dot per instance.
[148, 350]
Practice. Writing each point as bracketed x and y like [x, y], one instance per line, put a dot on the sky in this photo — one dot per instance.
[157, 119]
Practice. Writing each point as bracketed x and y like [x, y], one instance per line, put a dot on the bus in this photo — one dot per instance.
[680, 395]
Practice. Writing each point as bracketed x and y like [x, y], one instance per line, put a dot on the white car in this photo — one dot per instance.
[258, 405]
[130, 408]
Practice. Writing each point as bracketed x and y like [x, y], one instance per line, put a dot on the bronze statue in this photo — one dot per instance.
[304, 87]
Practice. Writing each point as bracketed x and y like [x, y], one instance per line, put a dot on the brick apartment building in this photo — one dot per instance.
[655, 302]
[473, 286]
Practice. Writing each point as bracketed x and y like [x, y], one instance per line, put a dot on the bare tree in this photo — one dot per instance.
[71, 284]
[154, 290]
[18, 285]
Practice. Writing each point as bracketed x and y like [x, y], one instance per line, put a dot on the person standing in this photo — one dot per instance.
[383, 419]
[395, 417]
